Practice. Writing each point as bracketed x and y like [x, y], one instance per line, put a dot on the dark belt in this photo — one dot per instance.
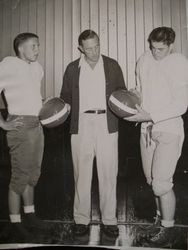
[99, 111]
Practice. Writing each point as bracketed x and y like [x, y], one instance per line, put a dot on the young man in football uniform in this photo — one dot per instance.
[162, 83]
[20, 80]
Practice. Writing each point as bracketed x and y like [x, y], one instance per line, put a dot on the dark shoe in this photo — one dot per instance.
[110, 230]
[32, 222]
[80, 229]
[109, 235]
[20, 234]
[162, 239]
[147, 231]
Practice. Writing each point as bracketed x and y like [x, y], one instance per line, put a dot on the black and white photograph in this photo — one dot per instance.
[94, 124]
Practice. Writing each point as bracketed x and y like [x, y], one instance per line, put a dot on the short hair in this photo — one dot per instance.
[86, 34]
[21, 38]
[162, 34]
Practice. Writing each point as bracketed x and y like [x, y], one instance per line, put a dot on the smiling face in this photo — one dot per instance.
[91, 49]
[160, 50]
[29, 50]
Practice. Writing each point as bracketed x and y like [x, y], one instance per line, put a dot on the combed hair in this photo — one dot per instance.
[21, 38]
[162, 34]
[87, 34]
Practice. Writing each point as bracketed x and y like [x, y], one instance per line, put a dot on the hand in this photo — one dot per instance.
[141, 116]
[12, 125]
[68, 107]
[136, 92]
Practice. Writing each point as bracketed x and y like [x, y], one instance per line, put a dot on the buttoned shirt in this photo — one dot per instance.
[92, 86]
[21, 83]
[163, 85]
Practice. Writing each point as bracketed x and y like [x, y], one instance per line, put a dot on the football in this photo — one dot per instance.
[54, 112]
[123, 103]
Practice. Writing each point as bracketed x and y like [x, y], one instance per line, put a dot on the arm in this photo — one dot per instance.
[142, 115]
[14, 124]
[137, 89]
[10, 125]
[176, 108]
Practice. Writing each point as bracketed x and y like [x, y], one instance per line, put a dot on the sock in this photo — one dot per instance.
[167, 223]
[15, 218]
[29, 209]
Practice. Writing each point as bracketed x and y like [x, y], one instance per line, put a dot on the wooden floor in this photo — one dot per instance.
[55, 192]
[135, 210]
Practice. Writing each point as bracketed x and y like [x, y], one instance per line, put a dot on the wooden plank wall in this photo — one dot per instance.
[123, 27]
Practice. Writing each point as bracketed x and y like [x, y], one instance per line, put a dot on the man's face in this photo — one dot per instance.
[160, 50]
[29, 50]
[91, 49]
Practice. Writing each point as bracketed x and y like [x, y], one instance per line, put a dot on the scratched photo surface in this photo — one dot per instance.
[123, 27]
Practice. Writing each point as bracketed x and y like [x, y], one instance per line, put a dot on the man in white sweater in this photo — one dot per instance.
[162, 83]
[20, 80]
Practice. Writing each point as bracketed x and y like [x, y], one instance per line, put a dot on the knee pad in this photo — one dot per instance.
[161, 187]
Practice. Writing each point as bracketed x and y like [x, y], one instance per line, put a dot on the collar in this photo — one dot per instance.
[83, 61]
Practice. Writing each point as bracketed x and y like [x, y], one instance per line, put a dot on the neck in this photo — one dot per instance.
[24, 59]
[91, 63]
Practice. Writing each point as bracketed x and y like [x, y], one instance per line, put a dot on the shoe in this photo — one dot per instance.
[19, 233]
[80, 229]
[145, 231]
[32, 222]
[111, 231]
[162, 239]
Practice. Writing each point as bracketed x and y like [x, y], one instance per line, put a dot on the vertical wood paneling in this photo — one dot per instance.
[157, 13]
[186, 4]
[24, 15]
[7, 17]
[1, 29]
[123, 27]
[67, 42]
[122, 37]
[76, 27]
[176, 23]
[15, 29]
[112, 25]
[184, 41]
[41, 31]
[32, 16]
[166, 12]
[103, 29]
[94, 15]
[85, 12]
[130, 44]
[139, 19]
[148, 20]
[58, 48]
[49, 60]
